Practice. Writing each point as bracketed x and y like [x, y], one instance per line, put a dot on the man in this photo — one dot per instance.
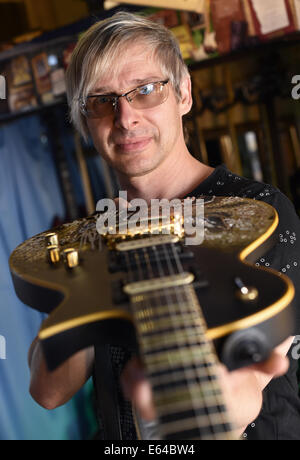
[128, 88]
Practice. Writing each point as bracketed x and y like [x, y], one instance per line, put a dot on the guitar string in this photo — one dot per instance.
[167, 300]
[169, 303]
[167, 296]
[180, 300]
[177, 289]
[197, 372]
[209, 369]
[143, 304]
[216, 389]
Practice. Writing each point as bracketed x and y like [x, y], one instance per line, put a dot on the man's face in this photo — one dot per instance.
[137, 141]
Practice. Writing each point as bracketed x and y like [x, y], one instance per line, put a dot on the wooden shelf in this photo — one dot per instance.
[257, 50]
[260, 48]
[7, 117]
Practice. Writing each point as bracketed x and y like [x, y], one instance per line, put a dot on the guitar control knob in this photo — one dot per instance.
[245, 347]
[52, 239]
[71, 257]
[53, 254]
[245, 293]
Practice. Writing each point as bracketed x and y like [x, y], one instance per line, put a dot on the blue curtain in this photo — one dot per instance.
[30, 198]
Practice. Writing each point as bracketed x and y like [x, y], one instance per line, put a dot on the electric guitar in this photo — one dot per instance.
[184, 307]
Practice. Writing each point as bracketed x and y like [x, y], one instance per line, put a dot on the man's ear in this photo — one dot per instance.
[186, 100]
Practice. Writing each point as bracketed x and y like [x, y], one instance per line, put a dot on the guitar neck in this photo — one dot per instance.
[181, 365]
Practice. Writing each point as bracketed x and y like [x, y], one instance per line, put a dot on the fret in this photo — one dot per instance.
[211, 421]
[176, 414]
[174, 357]
[160, 378]
[187, 404]
[183, 383]
[182, 368]
[167, 346]
[164, 310]
[198, 412]
[167, 297]
[190, 319]
[178, 390]
[204, 393]
[184, 380]
[187, 424]
[159, 342]
[150, 332]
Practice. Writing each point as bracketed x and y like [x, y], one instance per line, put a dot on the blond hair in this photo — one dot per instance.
[101, 45]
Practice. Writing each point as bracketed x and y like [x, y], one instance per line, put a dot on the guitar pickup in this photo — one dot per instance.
[118, 261]
[155, 284]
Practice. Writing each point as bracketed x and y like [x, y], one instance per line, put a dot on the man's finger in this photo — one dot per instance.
[137, 389]
[275, 365]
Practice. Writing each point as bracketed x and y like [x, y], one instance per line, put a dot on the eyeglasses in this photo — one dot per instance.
[143, 97]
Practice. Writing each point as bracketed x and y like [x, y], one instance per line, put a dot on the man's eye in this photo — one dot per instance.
[147, 89]
[103, 99]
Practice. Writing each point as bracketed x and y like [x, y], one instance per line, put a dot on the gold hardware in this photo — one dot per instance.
[153, 225]
[146, 242]
[71, 257]
[53, 254]
[52, 239]
[154, 284]
[247, 294]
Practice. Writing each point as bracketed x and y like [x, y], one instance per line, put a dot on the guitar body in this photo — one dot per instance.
[182, 307]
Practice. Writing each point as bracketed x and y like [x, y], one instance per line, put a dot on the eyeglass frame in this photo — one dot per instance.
[115, 99]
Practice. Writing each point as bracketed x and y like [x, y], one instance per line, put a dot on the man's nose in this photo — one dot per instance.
[126, 116]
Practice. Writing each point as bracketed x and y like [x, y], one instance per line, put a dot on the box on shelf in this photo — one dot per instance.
[272, 18]
[230, 24]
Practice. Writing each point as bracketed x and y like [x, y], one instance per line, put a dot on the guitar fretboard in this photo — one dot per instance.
[181, 365]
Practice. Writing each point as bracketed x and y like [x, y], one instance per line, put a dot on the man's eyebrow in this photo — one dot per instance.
[136, 81]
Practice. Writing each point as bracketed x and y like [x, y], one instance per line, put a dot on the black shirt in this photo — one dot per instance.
[280, 415]
[279, 418]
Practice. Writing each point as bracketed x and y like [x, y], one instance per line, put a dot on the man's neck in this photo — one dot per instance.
[174, 178]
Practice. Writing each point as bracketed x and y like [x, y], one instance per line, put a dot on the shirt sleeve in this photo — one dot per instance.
[285, 255]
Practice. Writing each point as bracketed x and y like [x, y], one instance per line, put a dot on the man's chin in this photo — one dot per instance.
[130, 172]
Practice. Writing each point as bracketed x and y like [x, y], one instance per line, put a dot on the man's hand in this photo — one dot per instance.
[242, 388]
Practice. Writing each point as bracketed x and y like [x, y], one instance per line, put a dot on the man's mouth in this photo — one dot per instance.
[133, 145]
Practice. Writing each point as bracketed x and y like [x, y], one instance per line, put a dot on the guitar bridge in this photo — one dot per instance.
[169, 229]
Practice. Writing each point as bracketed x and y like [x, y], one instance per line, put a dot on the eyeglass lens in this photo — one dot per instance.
[144, 97]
